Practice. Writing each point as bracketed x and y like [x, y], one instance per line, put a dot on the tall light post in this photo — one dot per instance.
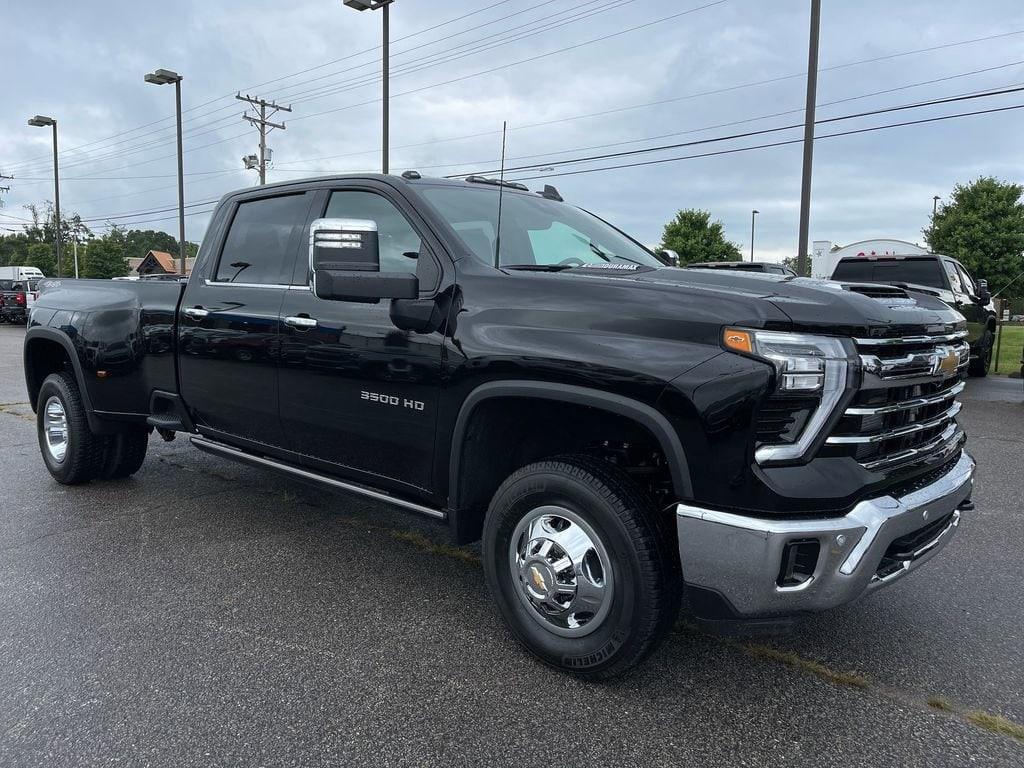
[805, 180]
[752, 215]
[373, 5]
[41, 121]
[935, 205]
[163, 77]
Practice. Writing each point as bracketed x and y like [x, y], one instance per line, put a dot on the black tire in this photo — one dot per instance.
[125, 453]
[979, 366]
[644, 601]
[83, 456]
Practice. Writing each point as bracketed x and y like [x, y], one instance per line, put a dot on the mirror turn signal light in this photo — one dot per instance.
[737, 340]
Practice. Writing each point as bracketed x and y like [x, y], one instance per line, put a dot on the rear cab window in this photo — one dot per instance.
[260, 243]
[891, 271]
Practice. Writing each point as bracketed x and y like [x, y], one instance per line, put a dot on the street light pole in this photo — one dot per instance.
[373, 5]
[805, 182]
[935, 204]
[163, 77]
[752, 215]
[40, 121]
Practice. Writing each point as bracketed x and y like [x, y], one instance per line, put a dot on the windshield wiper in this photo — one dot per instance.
[539, 267]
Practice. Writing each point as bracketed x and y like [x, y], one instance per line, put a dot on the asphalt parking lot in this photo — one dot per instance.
[203, 613]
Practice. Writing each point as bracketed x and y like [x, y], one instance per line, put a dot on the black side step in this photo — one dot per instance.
[219, 449]
[167, 412]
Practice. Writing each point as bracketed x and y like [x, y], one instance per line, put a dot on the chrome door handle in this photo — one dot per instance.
[298, 321]
[196, 313]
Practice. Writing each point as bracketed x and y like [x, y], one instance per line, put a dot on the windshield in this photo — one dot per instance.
[535, 231]
[910, 271]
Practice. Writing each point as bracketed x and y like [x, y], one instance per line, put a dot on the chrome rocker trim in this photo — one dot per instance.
[739, 557]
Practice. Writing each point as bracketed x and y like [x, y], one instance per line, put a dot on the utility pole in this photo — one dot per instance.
[382, 5]
[805, 182]
[5, 178]
[165, 77]
[752, 215]
[42, 121]
[263, 124]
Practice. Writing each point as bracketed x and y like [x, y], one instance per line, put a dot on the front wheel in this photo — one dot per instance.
[577, 567]
[980, 365]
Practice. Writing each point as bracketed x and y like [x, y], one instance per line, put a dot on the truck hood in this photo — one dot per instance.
[817, 306]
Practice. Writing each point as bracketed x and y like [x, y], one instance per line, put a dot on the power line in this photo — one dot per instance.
[775, 143]
[667, 147]
[749, 134]
[268, 82]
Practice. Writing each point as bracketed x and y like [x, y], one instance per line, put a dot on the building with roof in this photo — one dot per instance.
[157, 263]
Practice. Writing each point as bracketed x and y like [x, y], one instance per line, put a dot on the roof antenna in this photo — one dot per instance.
[501, 187]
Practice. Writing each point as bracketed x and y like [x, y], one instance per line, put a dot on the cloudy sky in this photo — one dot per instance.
[572, 78]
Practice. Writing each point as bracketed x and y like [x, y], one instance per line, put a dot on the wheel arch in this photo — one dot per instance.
[48, 350]
[466, 508]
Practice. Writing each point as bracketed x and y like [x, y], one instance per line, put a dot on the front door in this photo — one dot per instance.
[963, 301]
[229, 323]
[357, 393]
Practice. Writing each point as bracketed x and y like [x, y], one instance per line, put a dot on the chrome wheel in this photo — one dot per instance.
[562, 571]
[55, 428]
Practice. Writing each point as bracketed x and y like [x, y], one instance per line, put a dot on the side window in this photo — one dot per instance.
[967, 280]
[395, 234]
[954, 277]
[258, 248]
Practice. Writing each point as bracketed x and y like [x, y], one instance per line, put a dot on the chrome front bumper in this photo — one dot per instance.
[739, 557]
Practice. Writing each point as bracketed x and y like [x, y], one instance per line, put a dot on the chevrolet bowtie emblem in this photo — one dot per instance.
[946, 362]
[538, 579]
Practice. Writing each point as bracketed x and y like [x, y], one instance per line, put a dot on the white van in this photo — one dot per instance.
[20, 273]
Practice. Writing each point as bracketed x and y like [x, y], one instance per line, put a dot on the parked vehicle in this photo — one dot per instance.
[613, 430]
[767, 267]
[16, 299]
[940, 276]
[20, 274]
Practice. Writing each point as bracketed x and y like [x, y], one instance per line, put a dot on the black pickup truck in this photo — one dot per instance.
[940, 276]
[616, 432]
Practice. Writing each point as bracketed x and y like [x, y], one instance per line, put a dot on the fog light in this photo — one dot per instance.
[799, 559]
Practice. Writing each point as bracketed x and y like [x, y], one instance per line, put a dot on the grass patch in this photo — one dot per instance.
[1010, 349]
[996, 724]
[424, 544]
[940, 703]
[790, 659]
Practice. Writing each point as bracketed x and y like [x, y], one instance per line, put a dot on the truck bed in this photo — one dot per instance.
[123, 333]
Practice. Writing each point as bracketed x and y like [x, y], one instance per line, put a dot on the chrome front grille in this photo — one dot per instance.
[905, 412]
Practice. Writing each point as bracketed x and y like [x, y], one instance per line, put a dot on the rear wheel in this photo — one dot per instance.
[577, 568]
[72, 452]
[980, 365]
[124, 454]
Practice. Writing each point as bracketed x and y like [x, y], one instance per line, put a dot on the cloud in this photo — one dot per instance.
[874, 184]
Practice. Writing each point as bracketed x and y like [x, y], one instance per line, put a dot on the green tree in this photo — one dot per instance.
[983, 227]
[793, 263]
[105, 257]
[695, 237]
[139, 242]
[40, 256]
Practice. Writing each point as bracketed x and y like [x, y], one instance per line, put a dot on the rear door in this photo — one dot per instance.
[359, 395]
[229, 321]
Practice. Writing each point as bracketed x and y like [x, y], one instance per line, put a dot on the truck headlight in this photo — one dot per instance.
[805, 365]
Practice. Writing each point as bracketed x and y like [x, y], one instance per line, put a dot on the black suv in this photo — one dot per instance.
[940, 276]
